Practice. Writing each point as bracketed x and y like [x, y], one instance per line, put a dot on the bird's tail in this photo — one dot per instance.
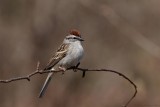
[49, 77]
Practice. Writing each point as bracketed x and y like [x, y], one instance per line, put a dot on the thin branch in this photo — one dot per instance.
[80, 69]
[120, 74]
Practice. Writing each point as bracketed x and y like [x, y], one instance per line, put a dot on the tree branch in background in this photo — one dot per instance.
[80, 69]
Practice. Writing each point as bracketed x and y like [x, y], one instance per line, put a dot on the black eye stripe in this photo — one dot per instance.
[72, 38]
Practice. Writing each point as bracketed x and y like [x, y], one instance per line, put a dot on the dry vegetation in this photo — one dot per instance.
[119, 34]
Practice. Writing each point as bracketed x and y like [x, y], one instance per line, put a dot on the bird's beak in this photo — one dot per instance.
[81, 39]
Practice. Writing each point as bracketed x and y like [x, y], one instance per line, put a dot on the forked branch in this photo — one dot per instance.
[80, 69]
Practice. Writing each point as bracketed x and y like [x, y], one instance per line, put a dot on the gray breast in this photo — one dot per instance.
[74, 55]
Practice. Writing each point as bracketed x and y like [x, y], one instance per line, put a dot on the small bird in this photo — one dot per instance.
[68, 55]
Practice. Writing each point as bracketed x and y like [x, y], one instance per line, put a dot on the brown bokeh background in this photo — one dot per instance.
[122, 35]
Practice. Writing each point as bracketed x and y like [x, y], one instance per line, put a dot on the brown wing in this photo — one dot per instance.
[61, 53]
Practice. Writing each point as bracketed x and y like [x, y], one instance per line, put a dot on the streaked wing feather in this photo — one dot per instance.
[60, 54]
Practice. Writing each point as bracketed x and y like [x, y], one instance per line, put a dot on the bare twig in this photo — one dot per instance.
[120, 74]
[80, 69]
[29, 75]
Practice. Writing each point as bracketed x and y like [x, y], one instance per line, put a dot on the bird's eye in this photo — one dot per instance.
[71, 38]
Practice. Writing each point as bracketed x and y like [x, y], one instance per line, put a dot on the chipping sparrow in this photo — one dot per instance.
[68, 55]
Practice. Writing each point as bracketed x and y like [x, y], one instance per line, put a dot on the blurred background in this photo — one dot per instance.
[122, 35]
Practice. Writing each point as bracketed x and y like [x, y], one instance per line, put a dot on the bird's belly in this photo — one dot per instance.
[72, 58]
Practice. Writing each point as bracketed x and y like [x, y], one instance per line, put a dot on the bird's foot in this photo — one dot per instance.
[62, 69]
[75, 67]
